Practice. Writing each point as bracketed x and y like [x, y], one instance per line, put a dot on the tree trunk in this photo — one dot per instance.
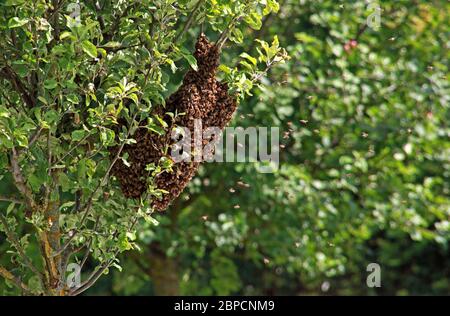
[50, 243]
[163, 271]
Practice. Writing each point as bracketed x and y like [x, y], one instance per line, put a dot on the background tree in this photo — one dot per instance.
[77, 81]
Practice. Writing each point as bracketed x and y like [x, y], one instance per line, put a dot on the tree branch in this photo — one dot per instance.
[224, 36]
[89, 246]
[14, 279]
[189, 21]
[11, 199]
[33, 138]
[114, 27]
[91, 280]
[20, 181]
[98, 273]
[71, 150]
[14, 241]
[9, 74]
[88, 205]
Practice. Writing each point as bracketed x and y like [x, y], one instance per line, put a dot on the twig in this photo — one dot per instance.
[49, 171]
[64, 247]
[20, 182]
[118, 49]
[56, 9]
[14, 279]
[224, 36]
[11, 199]
[100, 18]
[110, 34]
[98, 273]
[189, 21]
[33, 138]
[8, 73]
[88, 249]
[92, 279]
[71, 150]
[13, 240]
[88, 205]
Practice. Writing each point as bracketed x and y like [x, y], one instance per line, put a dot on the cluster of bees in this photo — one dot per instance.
[200, 97]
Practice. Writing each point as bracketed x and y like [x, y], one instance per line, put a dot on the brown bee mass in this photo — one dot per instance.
[201, 97]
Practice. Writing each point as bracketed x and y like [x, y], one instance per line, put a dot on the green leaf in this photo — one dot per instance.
[78, 135]
[67, 205]
[173, 67]
[64, 181]
[237, 36]
[271, 6]
[51, 116]
[161, 121]
[131, 236]
[112, 45]
[150, 220]
[89, 48]
[254, 21]
[21, 68]
[123, 242]
[16, 22]
[22, 140]
[192, 61]
[65, 34]
[10, 208]
[225, 69]
[4, 112]
[73, 98]
[249, 58]
[35, 182]
[50, 84]
[43, 100]
[107, 136]
[133, 97]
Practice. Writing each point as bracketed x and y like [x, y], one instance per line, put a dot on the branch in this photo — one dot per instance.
[88, 205]
[91, 280]
[9, 74]
[260, 33]
[100, 18]
[98, 273]
[64, 247]
[20, 181]
[13, 240]
[33, 138]
[52, 270]
[224, 36]
[189, 20]
[11, 103]
[114, 27]
[10, 199]
[89, 246]
[48, 186]
[55, 9]
[57, 4]
[70, 150]
[118, 49]
[14, 279]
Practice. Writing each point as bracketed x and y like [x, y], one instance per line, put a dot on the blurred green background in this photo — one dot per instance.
[364, 168]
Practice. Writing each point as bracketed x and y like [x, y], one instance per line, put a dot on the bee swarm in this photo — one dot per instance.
[200, 96]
